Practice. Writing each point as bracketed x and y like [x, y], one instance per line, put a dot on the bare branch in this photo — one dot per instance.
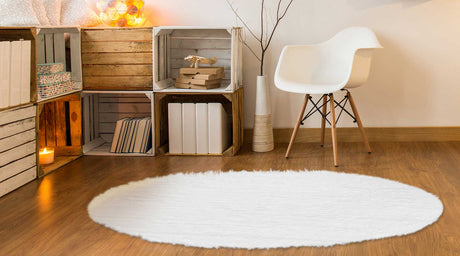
[277, 23]
[242, 21]
[262, 24]
[249, 47]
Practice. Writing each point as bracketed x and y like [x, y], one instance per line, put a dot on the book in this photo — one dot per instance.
[188, 128]
[5, 53]
[121, 139]
[15, 73]
[175, 127]
[140, 134]
[202, 141]
[209, 71]
[25, 71]
[132, 135]
[116, 136]
[194, 86]
[219, 129]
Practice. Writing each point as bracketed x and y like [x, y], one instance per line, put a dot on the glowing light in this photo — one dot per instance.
[121, 13]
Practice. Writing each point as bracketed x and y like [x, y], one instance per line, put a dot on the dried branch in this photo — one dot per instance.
[265, 38]
[242, 21]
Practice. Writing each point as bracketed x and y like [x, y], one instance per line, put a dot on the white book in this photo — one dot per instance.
[188, 128]
[175, 128]
[15, 73]
[5, 53]
[202, 141]
[25, 71]
[219, 132]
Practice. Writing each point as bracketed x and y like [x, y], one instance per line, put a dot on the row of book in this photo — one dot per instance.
[132, 135]
[198, 128]
[15, 63]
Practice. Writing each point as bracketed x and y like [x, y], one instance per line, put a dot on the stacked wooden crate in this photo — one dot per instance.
[117, 58]
[18, 161]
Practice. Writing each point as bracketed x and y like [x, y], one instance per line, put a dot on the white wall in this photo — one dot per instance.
[414, 80]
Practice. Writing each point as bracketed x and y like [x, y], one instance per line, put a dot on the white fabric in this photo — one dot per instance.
[17, 13]
[53, 11]
[77, 12]
[265, 209]
[39, 8]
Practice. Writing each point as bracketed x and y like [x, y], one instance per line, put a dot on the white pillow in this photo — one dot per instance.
[40, 11]
[53, 11]
[17, 13]
[77, 12]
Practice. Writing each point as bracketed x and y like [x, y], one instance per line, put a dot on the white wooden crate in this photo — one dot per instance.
[18, 160]
[101, 111]
[172, 44]
[52, 43]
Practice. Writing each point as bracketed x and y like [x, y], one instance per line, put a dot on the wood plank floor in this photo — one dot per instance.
[49, 217]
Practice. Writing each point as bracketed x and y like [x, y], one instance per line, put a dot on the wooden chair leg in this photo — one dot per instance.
[296, 128]
[358, 121]
[334, 133]
[323, 120]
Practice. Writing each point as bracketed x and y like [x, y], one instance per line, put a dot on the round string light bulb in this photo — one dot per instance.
[121, 13]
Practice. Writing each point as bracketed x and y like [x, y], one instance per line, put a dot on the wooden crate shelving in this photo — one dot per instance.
[18, 161]
[232, 102]
[60, 128]
[101, 111]
[117, 58]
[172, 44]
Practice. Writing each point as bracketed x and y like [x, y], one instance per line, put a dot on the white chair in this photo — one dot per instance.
[341, 63]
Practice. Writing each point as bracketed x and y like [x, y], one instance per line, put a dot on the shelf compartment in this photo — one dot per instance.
[172, 44]
[101, 111]
[231, 101]
[59, 127]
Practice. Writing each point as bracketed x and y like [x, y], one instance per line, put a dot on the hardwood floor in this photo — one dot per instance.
[49, 217]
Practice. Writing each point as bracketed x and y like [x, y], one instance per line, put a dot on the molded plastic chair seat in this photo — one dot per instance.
[342, 62]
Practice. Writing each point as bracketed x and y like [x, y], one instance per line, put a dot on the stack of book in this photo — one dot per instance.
[198, 128]
[132, 135]
[53, 80]
[15, 64]
[200, 78]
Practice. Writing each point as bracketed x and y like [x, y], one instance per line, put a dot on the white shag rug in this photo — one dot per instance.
[269, 209]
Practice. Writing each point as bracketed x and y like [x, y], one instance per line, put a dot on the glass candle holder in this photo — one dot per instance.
[121, 13]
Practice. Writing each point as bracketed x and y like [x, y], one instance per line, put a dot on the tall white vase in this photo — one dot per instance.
[262, 139]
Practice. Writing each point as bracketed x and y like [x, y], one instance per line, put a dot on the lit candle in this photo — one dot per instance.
[46, 156]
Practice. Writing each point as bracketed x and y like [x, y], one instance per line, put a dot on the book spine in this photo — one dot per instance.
[189, 128]
[25, 71]
[175, 128]
[202, 143]
[15, 73]
[5, 53]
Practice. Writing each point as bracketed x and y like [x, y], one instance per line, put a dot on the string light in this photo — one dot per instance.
[121, 13]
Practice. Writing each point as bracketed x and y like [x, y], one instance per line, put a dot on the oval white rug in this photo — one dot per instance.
[268, 209]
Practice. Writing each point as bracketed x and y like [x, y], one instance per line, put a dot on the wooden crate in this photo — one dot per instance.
[101, 111]
[232, 102]
[60, 127]
[49, 46]
[173, 44]
[117, 58]
[18, 161]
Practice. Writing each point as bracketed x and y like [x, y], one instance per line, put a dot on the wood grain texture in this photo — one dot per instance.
[118, 82]
[116, 46]
[117, 70]
[104, 35]
[49, 216]
[116, 58]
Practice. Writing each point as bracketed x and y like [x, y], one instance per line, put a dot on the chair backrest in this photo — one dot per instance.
[344, 60]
